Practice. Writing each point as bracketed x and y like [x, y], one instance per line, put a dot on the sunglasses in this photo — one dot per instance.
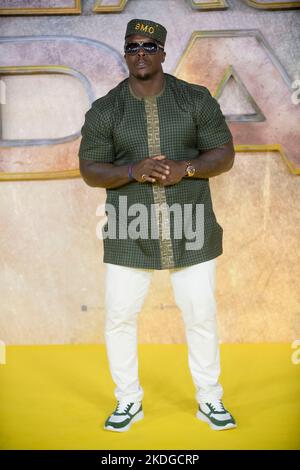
[132, 48]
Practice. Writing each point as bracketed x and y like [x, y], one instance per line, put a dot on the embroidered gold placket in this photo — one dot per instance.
[159, 193]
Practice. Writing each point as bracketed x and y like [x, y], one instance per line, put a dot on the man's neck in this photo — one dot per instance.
[151, 87]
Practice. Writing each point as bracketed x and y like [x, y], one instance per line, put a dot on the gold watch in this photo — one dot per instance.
[189, 169]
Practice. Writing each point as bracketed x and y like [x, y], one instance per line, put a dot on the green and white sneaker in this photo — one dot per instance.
[124, 415]
[216, 415]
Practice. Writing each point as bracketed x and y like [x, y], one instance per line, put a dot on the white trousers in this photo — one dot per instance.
[194, 292]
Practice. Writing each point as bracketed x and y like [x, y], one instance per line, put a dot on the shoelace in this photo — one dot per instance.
[216, 406]
[122, 408]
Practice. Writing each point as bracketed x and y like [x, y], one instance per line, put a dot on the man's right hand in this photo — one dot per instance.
[151, 169]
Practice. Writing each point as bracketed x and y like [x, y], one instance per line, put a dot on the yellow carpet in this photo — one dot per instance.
[58, 396]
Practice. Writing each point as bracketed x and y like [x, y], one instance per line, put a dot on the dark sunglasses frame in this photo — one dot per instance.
[142, 45]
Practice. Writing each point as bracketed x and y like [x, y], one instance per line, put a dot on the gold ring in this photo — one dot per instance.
[144, 177]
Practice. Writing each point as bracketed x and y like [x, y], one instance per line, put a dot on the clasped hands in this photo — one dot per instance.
[159, 169]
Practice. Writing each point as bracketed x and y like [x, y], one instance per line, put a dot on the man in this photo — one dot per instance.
[153, 142]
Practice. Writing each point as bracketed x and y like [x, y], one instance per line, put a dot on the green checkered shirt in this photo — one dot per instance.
[121, 128]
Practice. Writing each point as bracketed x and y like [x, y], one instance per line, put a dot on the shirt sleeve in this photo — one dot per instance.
[97, 140]
[212, 130]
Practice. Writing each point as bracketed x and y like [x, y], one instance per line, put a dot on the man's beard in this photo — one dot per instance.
[143, 77]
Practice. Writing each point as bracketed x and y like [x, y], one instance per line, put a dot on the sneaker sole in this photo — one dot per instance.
[136, 418]
[204, 418]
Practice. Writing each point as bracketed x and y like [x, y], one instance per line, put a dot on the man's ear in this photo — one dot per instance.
[164, 56]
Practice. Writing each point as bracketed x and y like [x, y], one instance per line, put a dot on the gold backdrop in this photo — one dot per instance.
[52, 272]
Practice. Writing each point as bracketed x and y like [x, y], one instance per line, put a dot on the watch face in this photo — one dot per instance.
[190, 170]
